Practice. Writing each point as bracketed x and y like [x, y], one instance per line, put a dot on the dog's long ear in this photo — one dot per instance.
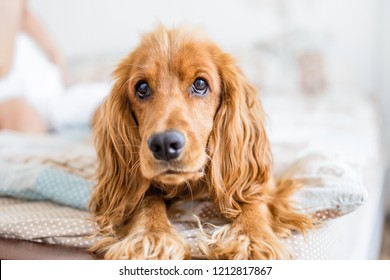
[120, 185]
[240, 152]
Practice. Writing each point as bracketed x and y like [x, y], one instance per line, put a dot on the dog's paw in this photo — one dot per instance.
[149, 246]
[233, 243]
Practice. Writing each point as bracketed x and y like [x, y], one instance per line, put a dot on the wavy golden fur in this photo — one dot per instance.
[175, 83]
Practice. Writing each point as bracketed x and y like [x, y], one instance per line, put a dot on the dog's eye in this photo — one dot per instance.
[200, 87]
[143, 90]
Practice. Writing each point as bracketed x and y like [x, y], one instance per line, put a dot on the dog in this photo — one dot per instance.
[182, 122]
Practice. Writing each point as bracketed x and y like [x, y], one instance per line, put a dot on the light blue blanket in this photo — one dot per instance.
[44, 183]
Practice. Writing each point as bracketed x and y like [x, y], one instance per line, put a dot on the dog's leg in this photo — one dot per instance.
[149, 235]
[249, 236]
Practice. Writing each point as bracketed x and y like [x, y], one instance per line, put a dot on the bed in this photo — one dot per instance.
[331, 143]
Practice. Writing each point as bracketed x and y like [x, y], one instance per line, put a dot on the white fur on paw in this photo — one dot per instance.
[149, 246]
[229, 242]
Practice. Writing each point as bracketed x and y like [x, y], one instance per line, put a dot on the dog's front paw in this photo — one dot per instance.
[149, 246]
[233, 243]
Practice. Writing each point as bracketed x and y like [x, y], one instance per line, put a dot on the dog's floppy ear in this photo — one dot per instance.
[120, 185]
[240, 152]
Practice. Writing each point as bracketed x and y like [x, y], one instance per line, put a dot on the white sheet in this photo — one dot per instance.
[344, 127]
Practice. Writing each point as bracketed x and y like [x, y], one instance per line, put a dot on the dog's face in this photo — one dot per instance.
[174, 92]
[181, 109]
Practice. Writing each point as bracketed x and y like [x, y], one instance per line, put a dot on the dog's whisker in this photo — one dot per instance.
[188, 186]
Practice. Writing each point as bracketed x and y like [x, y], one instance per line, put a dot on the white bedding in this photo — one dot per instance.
[342, 127]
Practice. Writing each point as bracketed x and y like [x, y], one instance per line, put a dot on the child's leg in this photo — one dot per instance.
[17, 114]
[10, 24]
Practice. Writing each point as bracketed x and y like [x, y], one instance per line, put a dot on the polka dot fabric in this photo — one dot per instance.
[64, 188]
[45, 222]
[50, 184]
[48, 222]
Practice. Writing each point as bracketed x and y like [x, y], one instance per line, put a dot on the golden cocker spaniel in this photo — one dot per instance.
[182, 122]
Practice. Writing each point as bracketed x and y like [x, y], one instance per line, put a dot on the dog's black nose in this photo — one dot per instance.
[167, 145]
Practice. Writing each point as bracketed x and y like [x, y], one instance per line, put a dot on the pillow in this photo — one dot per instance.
[330, 188]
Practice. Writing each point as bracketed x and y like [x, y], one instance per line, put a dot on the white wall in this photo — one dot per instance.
[343, 30]
[348, 30]
[382, 61]
[95, 26]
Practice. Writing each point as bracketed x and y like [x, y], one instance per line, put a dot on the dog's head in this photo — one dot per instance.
[180, 110]
[173, 91]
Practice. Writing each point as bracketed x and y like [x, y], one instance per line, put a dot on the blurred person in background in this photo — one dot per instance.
[33, 96]
[32, 69]
[33, 92]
